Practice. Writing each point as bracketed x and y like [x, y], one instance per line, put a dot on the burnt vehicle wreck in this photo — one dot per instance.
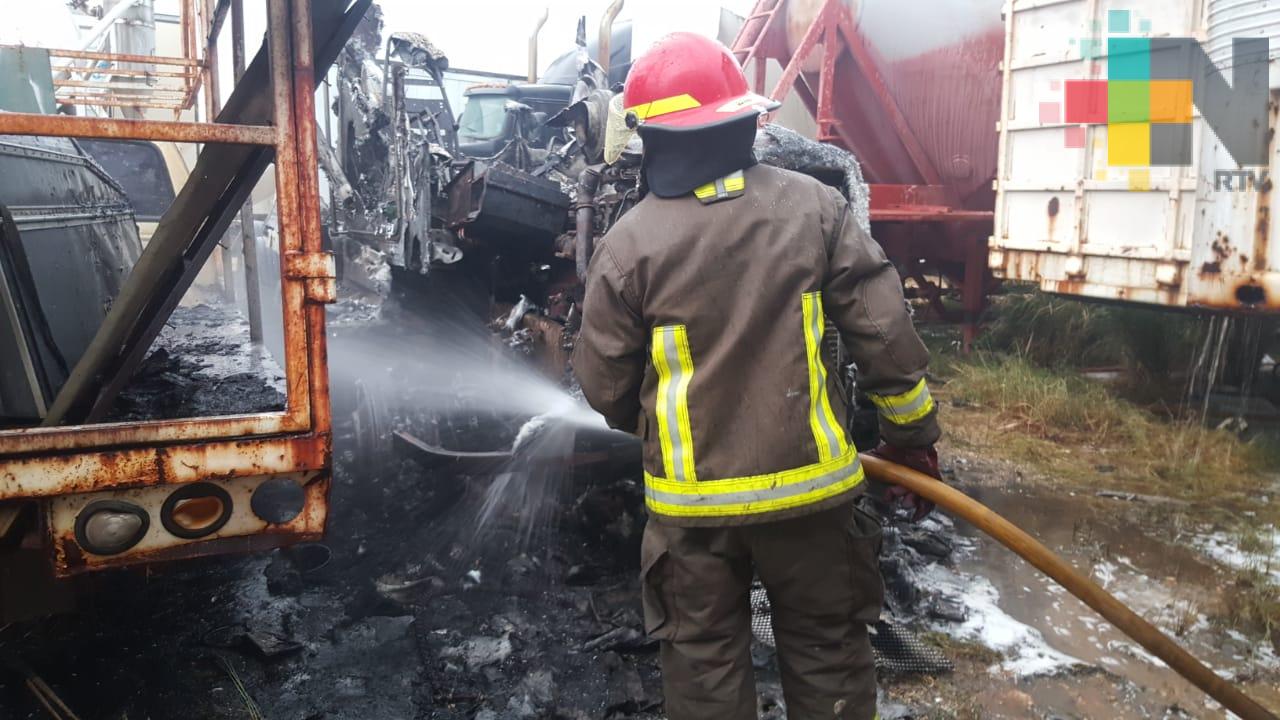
[502, 243]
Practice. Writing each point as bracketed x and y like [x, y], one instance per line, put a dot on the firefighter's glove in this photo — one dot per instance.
[923, 460]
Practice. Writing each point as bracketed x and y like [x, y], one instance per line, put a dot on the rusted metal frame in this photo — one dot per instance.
[213, 105]
[297, 416]
[279, 45]
[108, 85]
[103, 101]
[826, 82]
[189, 32]
[48, 475]
[217, 17]
[213, 101]
[321, 283]
[76, 437]
[929, 213]
[130, 72]
[836, 12]
[117, 128]
[125, 434]
[189, 46]
[248, 233]
[116, 58]
[182, 244]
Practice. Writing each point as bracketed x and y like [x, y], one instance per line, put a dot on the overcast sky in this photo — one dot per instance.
[493, 35]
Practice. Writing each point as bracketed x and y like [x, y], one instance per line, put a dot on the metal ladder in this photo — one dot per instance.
[755, 29]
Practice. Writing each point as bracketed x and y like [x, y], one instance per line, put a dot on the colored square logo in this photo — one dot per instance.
[1129, 144]
[1128, 101]
[1128, 58]
[1171, 101]
[1118, 21]
[1170, 145]
[1086, 101]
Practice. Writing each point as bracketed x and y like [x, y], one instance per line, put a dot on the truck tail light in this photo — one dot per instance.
[109, 527]
[196, 510]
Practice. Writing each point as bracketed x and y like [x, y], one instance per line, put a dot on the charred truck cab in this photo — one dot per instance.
[492, 117]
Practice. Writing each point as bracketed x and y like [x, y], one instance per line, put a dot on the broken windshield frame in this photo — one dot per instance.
[483, 117]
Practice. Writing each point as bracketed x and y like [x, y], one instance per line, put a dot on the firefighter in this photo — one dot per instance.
[703, 330]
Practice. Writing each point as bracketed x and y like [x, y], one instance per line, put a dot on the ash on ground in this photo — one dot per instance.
[202, 364]
[413, 608]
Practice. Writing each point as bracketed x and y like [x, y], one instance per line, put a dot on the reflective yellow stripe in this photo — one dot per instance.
[729, 186]
[907, 407]
[674, 364]
[675, 103]
[682, 401]
[827, 433]
[756, 494]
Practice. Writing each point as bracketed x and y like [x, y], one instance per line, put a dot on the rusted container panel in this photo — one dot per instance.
[1070, 220]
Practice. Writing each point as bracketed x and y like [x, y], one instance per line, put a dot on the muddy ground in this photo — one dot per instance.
[425, 603]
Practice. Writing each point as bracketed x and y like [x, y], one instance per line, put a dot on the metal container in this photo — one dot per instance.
[1074, 224]
[941, 68]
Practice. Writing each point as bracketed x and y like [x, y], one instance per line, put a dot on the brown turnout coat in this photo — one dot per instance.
[702, 333]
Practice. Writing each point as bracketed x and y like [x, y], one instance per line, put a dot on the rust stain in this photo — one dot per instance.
[115, 128]
[1262, 229]
[44, 475]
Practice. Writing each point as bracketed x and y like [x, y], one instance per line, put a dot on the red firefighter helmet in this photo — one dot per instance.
[689, 82]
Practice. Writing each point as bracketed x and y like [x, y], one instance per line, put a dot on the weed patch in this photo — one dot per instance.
[1022, 401]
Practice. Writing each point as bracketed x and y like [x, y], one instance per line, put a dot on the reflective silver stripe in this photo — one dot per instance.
[834, 477]
[900, 414]
[915, 405]
[676, 371]
[816, 327]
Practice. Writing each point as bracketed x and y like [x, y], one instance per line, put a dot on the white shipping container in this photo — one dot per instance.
[1068, 221]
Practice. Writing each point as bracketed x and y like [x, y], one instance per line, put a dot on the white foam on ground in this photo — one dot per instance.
[1225, 548]
[1025, 650]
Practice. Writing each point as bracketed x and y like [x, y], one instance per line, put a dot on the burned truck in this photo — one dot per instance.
[506, 238]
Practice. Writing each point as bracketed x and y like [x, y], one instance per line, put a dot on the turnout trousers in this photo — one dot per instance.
[823, 581]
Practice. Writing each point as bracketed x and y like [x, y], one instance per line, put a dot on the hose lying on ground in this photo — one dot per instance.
[1031, 550]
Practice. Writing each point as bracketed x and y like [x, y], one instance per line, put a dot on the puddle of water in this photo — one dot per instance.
[1050, 638]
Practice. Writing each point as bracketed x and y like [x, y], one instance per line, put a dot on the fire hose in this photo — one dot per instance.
[1106, 605]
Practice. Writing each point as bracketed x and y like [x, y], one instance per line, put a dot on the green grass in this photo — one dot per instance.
[1062, 408]
[1253, 603]
[1052, 331]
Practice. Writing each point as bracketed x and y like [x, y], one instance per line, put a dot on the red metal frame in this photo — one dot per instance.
[916, 217]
